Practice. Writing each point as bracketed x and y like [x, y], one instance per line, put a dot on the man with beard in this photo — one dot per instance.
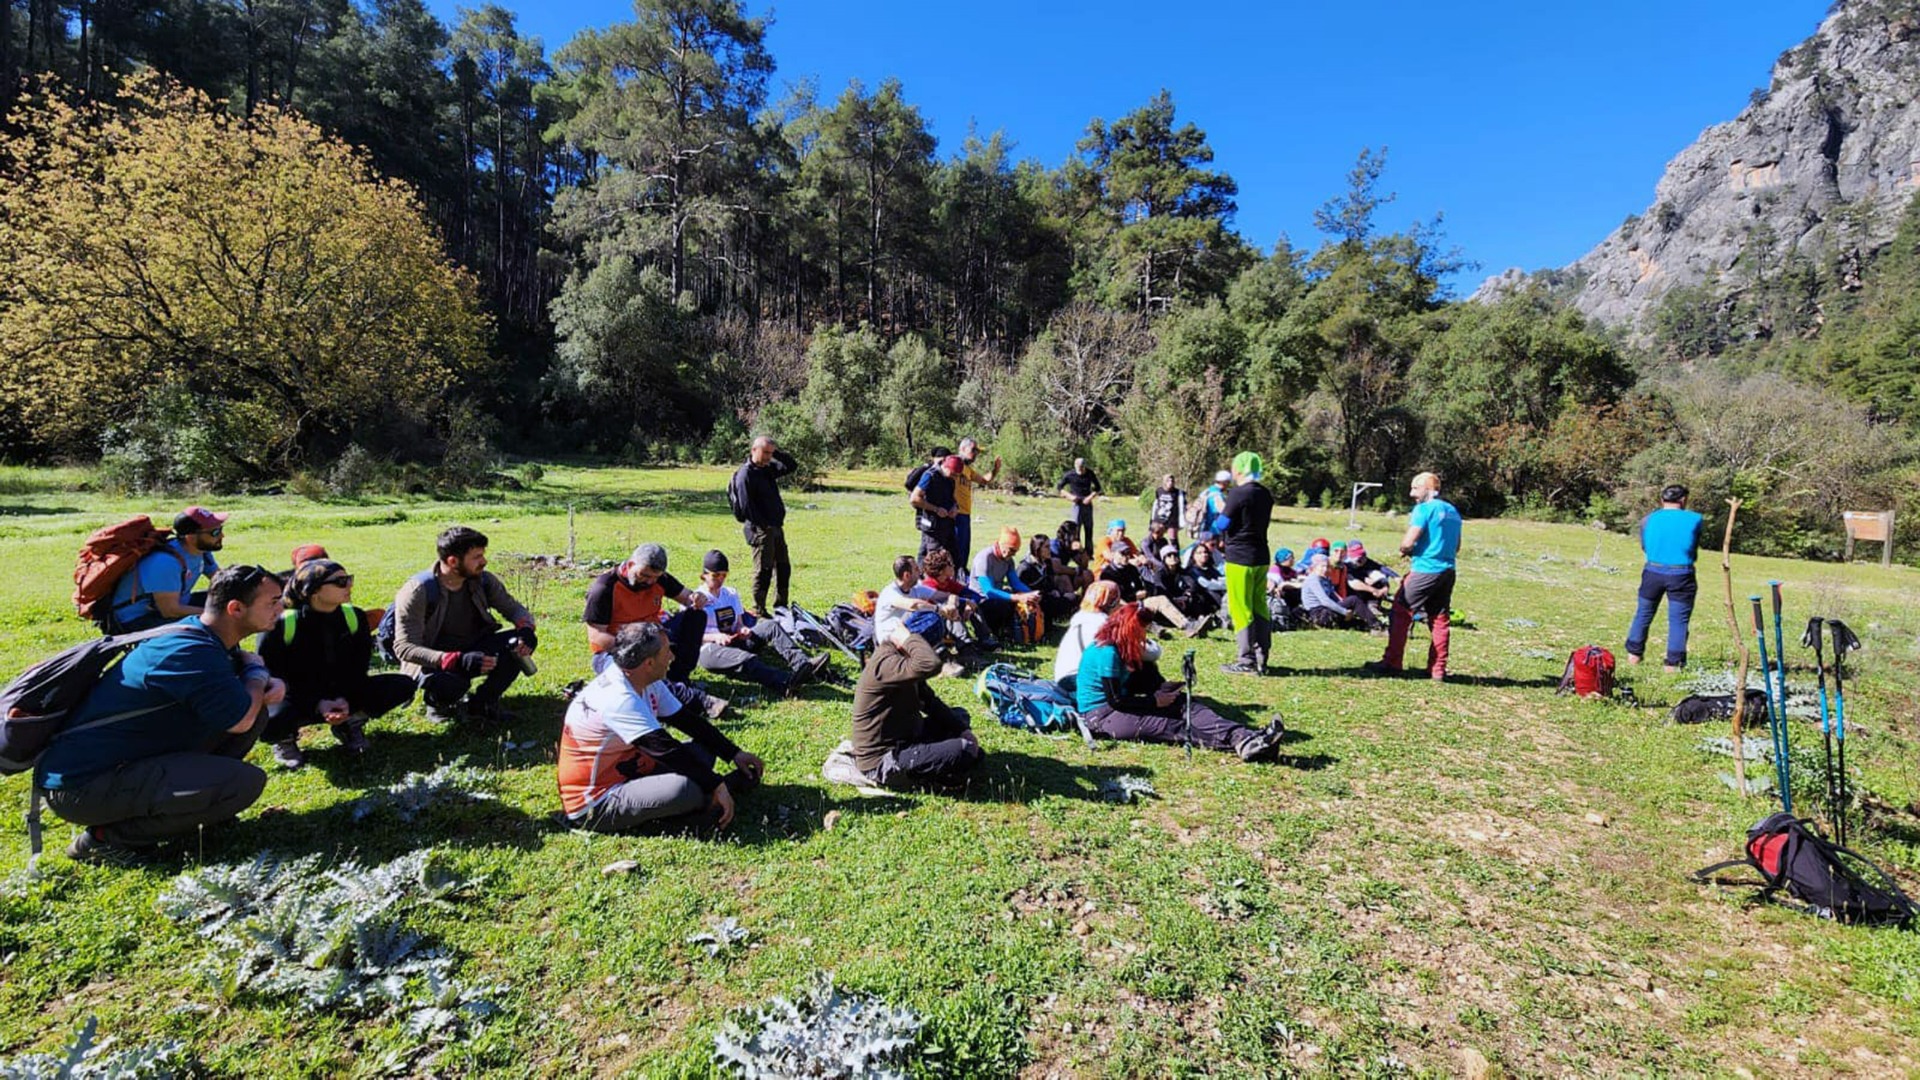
[445, 635]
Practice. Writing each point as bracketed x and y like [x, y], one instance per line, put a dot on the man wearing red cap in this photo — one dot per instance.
[939, 508]
[160, 588]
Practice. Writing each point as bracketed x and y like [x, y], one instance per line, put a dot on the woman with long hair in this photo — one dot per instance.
[1114, 702]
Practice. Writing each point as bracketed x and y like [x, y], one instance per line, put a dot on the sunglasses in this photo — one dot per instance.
[344, 581]
[217, 530]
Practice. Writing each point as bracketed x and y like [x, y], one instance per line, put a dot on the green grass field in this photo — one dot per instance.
[1430, 877]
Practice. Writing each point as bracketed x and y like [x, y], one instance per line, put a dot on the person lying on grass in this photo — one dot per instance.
[1121, 695]
[619, 769]
[903, 735]
[321, 650]
[734, 638]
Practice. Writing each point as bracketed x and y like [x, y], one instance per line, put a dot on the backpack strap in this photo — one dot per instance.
[288, 619]
[1706, 874]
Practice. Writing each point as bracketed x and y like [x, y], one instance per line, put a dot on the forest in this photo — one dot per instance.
[329, 245]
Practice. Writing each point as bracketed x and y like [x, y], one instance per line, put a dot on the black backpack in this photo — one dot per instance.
[914, 475]
[1711, 708]
[1829, 881]
[35, 708]
[737, 494]
[383, 634]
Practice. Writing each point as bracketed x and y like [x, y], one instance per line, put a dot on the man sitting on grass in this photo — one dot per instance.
[445, 635]
[636, 591]
[1364, 575]
[619, 770]
[733, 637]
[994, 580]
[189, 705]
[903, 735]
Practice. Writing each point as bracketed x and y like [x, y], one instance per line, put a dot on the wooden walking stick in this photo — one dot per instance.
[1739, 640]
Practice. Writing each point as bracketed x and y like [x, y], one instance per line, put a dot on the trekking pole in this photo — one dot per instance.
[1186, 676]
[1844, 641]
[1740, 643]
[1780, 776]
[1814, 639]
[1780, 675]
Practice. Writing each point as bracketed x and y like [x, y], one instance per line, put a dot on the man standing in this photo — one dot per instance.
[1080, 487]
[755, 494]
[963, 482]
[445, 635]
[1248, 510]
[181, 710]
[619, 770]
[1433, 539]
[1169, 510]
[934, 500]
[1670, 536]
[159, 589]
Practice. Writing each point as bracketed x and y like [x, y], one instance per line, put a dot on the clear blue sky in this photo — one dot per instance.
[1534, 127]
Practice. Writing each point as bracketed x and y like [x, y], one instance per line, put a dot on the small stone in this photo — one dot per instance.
[624, 866]
[1621, 1001]
[1644, 981]
[1743, 1072]
[1597, 819]
[1660, 992]
[1081, 929]
[832, 819]
[1066, 1027]
[1473, 1064]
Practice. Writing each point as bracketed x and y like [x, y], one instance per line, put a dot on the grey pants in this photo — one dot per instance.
[766, 633]
[662, 802]
[144, 802]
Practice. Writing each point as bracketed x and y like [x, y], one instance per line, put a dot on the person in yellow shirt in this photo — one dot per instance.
[963, 482]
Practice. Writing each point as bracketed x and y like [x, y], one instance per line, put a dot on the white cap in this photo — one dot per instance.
[1223, 477]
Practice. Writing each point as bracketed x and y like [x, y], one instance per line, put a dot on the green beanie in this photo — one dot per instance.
[1248, 464]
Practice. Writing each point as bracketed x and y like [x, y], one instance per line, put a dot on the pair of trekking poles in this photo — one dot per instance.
[1833, 712]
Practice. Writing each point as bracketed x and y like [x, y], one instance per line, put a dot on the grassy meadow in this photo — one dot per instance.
[1430, 878]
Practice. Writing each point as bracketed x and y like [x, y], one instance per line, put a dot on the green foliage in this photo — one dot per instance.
[839, 401]
[917, 395]
[88, 1057]
[630, 352]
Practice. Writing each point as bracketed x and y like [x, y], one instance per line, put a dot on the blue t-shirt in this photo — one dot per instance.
[166, 569]
[1671, 537]
[1101, 678]
[1440, 537]
[190, 681]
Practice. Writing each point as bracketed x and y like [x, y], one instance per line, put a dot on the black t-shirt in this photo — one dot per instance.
[1081, 484]
[613, 603]
[1249, 510]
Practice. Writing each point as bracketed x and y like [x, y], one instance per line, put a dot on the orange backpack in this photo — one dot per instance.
[109, 555]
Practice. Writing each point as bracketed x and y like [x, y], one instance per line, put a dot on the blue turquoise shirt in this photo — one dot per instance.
[1671, 537]
[1101, 679]
[188, 678]
[165, 569]
[1439, 541]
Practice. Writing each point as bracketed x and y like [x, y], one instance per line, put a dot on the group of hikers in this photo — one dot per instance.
[157, 749]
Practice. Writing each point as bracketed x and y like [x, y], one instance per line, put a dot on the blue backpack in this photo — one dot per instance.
[1021, 699]
[383, 634]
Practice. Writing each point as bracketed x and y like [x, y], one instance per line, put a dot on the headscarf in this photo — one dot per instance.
[309, 576]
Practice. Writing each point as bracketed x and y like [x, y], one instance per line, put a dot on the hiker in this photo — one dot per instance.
[159, 589]
[763, 514]
[1165, 577]
[1101, 600]
[1115, 546]
[1364, 575]
[1325, 608]
[937, 573]
[321, 650]
[1080, 487]
[1159, 535]
[1337, 569]
[1055, 581]
[1283, 577]
[906, 602]
[904, 736]
[1066, 547]
[963, 481]
[620, 770]
[1169, 509]
[733, 636]
[1202, 557]
[933, 499]
[1115, 703]
[190, 705]
[994, 580]
[445, 635]
[636, 591]
[1433, 539]
[1209, 511]
[1248, 510]
[1670, 537]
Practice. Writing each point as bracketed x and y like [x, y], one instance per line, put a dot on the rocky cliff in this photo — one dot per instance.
[1813, 175]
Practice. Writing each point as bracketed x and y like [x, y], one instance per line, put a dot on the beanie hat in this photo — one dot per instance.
[308, 551]
[1282, 555]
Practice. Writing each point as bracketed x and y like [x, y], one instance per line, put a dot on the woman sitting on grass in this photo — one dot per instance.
[1121, 695]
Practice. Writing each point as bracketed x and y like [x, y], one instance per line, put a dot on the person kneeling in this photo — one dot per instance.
[619, 769]
[156, 749]
[1121, 696]
[321, 649]
[733, 637]
[904, 736]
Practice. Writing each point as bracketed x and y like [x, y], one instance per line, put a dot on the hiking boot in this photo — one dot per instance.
[814, 669]
[352, 734]
[90, 848]
[1194, 628]
[712, 706]
[449, 715]
[1377, 667]
[1633, 659]
[1241, 667]
[1262, 745]
[287, 753]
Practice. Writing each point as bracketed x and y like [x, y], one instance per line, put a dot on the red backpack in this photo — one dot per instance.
[108, 556]
[1589, 673]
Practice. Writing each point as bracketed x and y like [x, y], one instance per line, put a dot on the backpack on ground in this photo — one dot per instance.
[737, 494]
[809, 629]
[851, 626]
[383, 634]
[1282, 615]
[1711, 708]
[108, 555]
[36, 707]
[1829, 881]
[1021, 699]
[1589, 673]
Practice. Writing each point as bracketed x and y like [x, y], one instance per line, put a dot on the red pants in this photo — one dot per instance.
[1431, 594]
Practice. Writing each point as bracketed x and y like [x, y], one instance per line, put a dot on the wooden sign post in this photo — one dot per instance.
[1871, 527]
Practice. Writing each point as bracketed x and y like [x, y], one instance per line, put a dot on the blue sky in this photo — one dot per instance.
[1534, 127]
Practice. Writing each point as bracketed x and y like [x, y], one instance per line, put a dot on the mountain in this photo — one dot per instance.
[1810, 180]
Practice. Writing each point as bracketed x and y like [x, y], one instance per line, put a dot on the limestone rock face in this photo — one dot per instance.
[1818, 169]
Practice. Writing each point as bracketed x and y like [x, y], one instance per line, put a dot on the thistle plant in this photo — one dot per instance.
[828, 1033]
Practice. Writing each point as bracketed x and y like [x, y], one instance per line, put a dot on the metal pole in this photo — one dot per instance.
[1353, 507]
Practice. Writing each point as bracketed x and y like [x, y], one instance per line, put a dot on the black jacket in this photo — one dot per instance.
[760, 483]
[327, 656]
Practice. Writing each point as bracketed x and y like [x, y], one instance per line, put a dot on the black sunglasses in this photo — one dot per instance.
[344, 581]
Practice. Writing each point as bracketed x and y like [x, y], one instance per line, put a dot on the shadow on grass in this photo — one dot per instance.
[1412, 675]
[36, 511]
